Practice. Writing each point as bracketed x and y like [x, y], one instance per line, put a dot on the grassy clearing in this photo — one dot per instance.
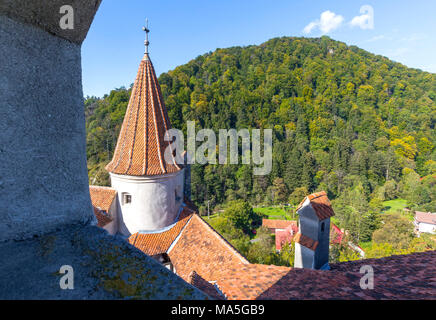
[211, 218]
[392, 206]
[397, 205]
[277, 213]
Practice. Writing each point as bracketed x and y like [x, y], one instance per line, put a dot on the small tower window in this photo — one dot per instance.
[322, 227]
[126, 198]
[177, 193]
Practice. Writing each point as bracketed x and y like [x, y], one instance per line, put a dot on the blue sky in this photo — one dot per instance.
[402, 30]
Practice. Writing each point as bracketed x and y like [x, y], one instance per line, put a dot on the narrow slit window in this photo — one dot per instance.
[127, 198]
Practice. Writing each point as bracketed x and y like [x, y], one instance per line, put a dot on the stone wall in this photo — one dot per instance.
[43, 172]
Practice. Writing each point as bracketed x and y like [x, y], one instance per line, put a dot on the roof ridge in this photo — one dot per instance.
[176, 239]
[134, 241]
[223, 240]
[320, 204]
[102, 187]
[136, 122]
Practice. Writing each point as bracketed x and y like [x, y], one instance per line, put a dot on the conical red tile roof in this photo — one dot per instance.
[140, 149]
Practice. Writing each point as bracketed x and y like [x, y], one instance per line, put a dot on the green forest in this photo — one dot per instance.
[357, 125]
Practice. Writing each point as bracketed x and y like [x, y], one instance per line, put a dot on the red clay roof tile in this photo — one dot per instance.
[306, 241]
[141, 146]
[197, 281]
[409, 276]
[425, 217]
[277, 224]
[202, 249]
[160, 242]
[102, 197]
[248, 282]
[320, 203]
[102, 217]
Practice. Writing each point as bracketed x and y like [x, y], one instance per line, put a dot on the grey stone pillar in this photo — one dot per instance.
[43, 172]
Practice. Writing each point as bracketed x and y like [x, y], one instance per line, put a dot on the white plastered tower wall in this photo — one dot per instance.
[112, 227]
[155, 201]
[148, 180]
[304, 257]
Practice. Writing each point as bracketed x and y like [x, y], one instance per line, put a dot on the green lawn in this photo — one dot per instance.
[277, 213]
[392, 206]
[211, 218]
[397, 205]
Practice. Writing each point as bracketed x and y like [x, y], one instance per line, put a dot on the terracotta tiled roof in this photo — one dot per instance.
[320, 203]
[102, 217]
[160, 242]
[141, 147]
[277, 224]
[306, 241]
[410, 276]
[102, 197]
[202, 249]
[425, 217]
[248, 282]
[197, 281]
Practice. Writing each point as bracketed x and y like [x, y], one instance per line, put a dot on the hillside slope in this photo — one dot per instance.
[345, 120]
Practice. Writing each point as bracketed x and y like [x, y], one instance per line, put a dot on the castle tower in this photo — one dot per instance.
[313, 239]
[150, 189]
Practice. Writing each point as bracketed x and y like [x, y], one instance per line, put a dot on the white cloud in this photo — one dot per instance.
[308, 29]
[360, 21]
[366, 20]
[328, 21]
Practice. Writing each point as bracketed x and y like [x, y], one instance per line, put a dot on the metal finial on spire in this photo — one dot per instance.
[146, 42]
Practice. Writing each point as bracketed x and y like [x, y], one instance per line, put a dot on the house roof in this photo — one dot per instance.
[306, 241]
[102, 217]
[197, 281]
[202, 249]
[248, 282]
[153, 243]
[425, 217]
[286, 235]
[277, 224]
[320, 204]
[140, 148]
[336, 234]
[398, 277]
[102, 197]
[282, 237]
[206, 260]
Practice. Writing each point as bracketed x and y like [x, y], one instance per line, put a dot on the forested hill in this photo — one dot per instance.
[357, 125]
